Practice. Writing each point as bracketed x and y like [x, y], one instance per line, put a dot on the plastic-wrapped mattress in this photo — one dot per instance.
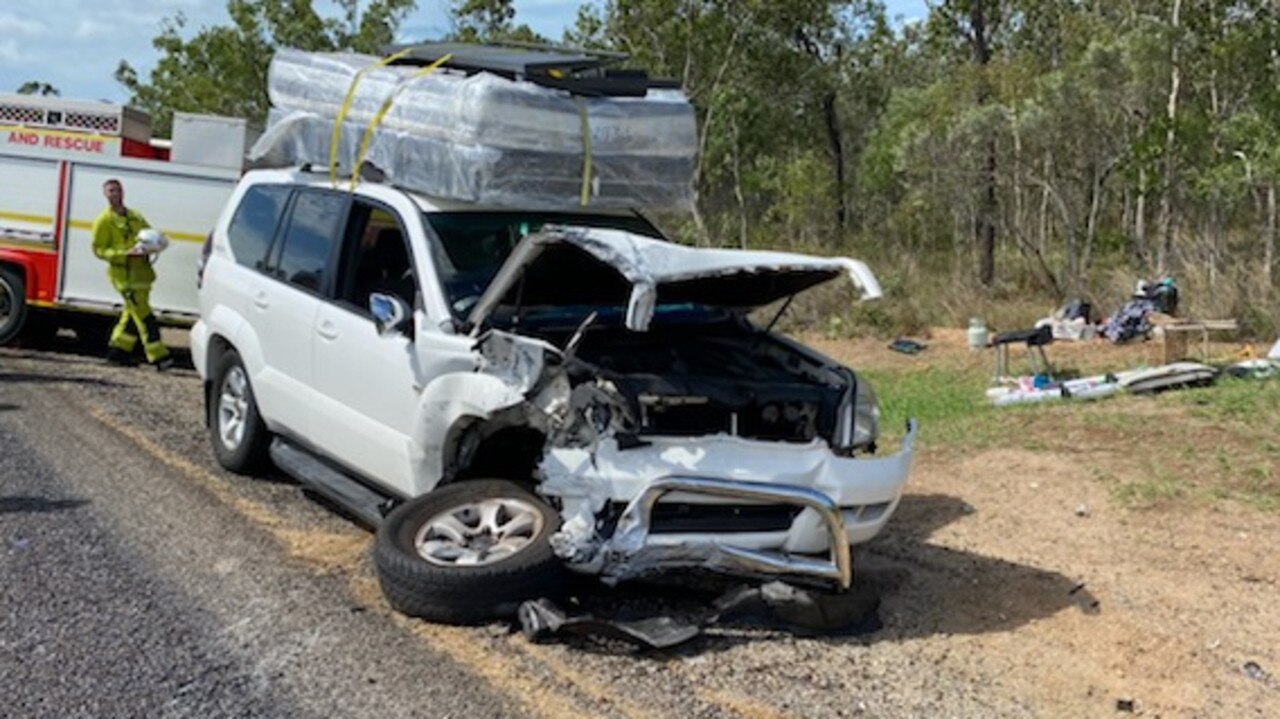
[483, 138]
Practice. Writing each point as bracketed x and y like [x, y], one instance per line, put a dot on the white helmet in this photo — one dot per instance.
[152, 241]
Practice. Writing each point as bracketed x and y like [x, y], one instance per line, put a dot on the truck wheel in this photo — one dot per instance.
[469, 552]
[240, 437]
[13, 304]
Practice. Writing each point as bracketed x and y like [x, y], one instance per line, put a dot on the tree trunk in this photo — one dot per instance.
[1068, 223]
[737, 188]
[987, 248]
[1269, 248]
[1140, 222]
[1091, 224]
[986, 226]
[704, 131]
[831, 114]
[700, 225]
[1170, 140]
[1018, 209]
[1044, 210]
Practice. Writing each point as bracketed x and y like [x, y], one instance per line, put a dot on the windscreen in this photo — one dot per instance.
[470, 247]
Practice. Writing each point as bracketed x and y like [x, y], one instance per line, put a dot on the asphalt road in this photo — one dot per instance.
[131, 589]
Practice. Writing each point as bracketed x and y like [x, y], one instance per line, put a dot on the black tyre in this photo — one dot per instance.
[469, 552]
[13, 304]
[240, 437]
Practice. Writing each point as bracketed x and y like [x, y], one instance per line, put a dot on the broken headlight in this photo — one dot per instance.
[783, 421]
[866, 416]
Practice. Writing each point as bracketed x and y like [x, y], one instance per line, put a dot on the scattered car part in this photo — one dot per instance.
[907, 346]
[541, 619]
[797, 608]
[1165, 377]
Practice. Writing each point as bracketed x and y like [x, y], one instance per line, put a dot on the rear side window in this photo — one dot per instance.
[255, 222]
[310, 238]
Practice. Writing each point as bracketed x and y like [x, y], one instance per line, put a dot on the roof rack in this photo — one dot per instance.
[579, 71]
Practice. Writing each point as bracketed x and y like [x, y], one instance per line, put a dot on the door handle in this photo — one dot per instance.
[260, 301]
[327, 331]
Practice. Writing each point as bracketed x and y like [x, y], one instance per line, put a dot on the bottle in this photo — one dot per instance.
[977, 333]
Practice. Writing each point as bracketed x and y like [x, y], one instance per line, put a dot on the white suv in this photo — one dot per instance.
[506, 394]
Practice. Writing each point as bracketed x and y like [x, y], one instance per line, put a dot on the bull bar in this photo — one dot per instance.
[629, 543]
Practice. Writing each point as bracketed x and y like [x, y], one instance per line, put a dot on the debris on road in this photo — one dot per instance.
[795, 608]
[907, 346]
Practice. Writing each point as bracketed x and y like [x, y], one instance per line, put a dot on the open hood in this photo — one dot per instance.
[562, 265]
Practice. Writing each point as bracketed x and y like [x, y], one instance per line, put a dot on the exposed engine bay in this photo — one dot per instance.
[724, 378]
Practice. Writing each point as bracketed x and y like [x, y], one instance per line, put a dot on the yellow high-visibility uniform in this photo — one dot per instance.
[131, 275]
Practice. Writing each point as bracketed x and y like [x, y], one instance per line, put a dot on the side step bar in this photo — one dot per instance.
[363, 502]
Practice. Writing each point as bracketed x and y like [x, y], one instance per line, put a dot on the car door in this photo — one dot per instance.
[284, 300]
[366, 382]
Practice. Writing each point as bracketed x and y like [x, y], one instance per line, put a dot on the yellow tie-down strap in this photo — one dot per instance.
[346, 107]
[586, 153]
[382, 112]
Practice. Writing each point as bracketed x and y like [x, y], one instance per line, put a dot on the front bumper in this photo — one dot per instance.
[199, 339]
[847, 499]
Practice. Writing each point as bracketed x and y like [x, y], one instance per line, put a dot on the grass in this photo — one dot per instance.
[1152, 491]
[1243, 403]
[949, 405]
[1194, 447]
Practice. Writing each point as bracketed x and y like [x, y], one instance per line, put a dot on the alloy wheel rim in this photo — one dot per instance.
[479, 533]
[233, 407]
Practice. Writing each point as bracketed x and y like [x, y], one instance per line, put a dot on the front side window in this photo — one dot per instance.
[376, 258]
[472, 246]
[309, 240]
[254, 224]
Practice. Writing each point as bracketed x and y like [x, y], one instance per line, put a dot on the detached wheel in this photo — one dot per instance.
[240, 437]
[13, 304]
[469, 552]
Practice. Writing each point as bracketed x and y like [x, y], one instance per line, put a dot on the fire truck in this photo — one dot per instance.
[55, 155]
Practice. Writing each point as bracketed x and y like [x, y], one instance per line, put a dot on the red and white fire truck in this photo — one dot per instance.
[54, 156]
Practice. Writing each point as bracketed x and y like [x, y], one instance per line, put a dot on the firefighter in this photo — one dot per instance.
[115, 240]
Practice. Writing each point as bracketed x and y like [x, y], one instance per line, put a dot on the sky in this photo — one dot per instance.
[76, 45]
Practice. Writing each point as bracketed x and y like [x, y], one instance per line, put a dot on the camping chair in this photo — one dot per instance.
[1035, 340]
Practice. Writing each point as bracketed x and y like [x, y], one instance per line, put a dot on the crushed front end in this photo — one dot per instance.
[744, 507]
[712, 445]
[678, 433]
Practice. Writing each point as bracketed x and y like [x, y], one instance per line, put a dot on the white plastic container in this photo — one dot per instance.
[977, 333]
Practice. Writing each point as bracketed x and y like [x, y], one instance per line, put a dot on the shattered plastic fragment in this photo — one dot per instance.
[541, 619]
[795, 607]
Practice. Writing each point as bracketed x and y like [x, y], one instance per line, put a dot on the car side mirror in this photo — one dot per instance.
[390, 313]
